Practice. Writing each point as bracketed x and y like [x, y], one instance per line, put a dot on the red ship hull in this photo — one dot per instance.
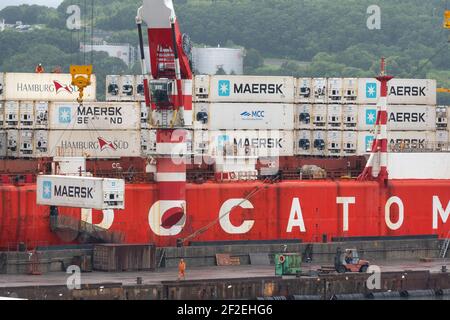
[303, 210]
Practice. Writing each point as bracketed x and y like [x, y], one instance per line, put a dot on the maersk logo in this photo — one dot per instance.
[369, 143]
[224, 88]
[371, 116]
[371, 90]
[222, 140]
[254, 115]
[65, 115]
[47, 190]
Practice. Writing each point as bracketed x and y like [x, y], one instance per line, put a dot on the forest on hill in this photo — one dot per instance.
[314, 38]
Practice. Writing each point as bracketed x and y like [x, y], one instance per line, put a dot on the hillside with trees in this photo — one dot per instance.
[312, 37]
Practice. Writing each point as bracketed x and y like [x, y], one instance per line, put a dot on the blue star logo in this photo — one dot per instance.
[224, 88]
[371, 90]
[65, 115]
[369, 143]
[47, 190]
[222, 140]
[371, 116]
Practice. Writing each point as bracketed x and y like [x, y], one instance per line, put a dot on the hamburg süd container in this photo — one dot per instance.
[81, 192]
[45, 87]
[248, 89]
[95, 116]
[247, 116]
[400, 117]
[94, 144]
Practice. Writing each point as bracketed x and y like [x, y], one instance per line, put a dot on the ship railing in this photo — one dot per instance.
[419, 147]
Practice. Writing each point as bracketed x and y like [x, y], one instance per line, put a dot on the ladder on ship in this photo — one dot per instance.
[445, 246]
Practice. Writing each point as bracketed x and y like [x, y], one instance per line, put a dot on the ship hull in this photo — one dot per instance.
[299, 210]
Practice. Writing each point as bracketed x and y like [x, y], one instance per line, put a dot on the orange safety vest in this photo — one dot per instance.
[182, 268]
[39, 69]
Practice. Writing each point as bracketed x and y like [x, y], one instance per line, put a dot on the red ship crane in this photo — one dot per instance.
[377, 165]
[168, 95]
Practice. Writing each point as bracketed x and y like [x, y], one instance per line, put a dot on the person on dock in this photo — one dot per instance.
[39, 68]
[182, 270]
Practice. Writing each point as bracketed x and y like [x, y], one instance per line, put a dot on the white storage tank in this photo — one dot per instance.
[303, 116]
[95, 116]
[26, 111]
[334, 115]
[45, 87]
[319, 116]
[350, 116]
[210, 60]
[303, 142]
[41, 114]
[400, 117]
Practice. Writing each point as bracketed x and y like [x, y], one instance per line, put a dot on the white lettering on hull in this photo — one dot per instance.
[387, 213]
[224, 216]
[345, 201]
[438, 210]
[296, 217]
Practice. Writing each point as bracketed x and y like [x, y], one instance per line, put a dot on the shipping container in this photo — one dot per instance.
[335, 90]
[248, 89]
[201, 116]
[303, 116]
[442, 116]
[320, 116]
[2, 86]
[127, 88]
[249, 116]
[81, 192]
[112, 88]
[148, 142]
[304, 90]
[442, 138]
[400, 91]
[334, 116]
[40, 143]
[2, 114]
[145, 116]
[41, 114]
[263, 143]
[350, 116]
[319, 145]
[13, 143]
[26, 143]
[201, 88]
[11, 114]
[320, 86]
[334, 143]
[400, 117]
[26, 111]
[3, 144]
[140, 88]
[349, 142]
[94, 144]
[303, 145]
[95, 116]
[399, 141]
[45, 87]
[350, 88]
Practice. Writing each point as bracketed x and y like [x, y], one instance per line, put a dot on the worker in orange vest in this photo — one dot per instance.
[181, 270]
[40, 68]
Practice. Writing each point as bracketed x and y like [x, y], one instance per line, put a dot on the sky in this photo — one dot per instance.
[50, 3]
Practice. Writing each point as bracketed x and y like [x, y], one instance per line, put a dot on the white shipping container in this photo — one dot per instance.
[26, 111]
[145, 116]
[398, 140]
[350, 88]
[140, 89]
[319, 116]
[320, 90]
[263, 143]
[335, 90]
[41, 113]
[303, 118]
[250, 116]
[319, 143]
[26, 143]
[442, 137]
[95, 116]
[334, 143]
[303, 145]
[11, 114]
[94, 144]
[349, 142]
[148, 142]
[400, 91]
[442, 116]
[2, 114]
[400, 118]
[112, 88]
[304, 90]
[334, 115]
[127, 88]
[201, 88]
[81, 192]
[40, 143]
[45, 87]
[251, 89]
[2, 86]
[13, 143]
[349, 116]
[201, 115]
[3, 144]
